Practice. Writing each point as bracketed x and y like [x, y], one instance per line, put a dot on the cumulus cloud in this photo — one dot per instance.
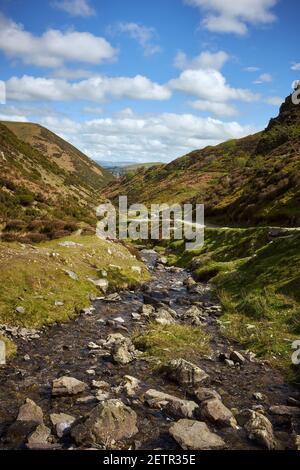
[296, 66]
[97, 89]
[234, 16]
[205, 60]
[144, 35]
[218, 109]
[75, 7]
[54, 47]
[159, 137]
[264, 78]
[210, 85]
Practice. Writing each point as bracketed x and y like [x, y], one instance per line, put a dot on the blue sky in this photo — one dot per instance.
[139, 80]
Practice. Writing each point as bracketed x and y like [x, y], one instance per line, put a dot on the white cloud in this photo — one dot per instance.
[161, 137]
[234, 16]
[75, 7]
[205, 60]
[144, 35]
[251, 69]
[218, 109]
[210, 85]
[296, 66]
[72, 74]
[96, 89]
[274, 100]
[92, 110]
[53, 48]
[264, 78]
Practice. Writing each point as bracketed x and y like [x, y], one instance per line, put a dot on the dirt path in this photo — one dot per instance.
[63, 350]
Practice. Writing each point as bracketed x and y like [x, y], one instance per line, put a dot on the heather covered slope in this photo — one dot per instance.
[39, 196]
[251, 180]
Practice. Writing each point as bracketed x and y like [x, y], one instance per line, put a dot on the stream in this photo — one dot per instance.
[62, 350]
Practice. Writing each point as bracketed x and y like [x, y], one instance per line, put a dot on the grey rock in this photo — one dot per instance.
[203, 394]
[260, 429]
[185, 373]
[67, 386]
[163, 317]
[121, 348]
[62, 423]
[30, 411]
[20, 310]
[216, 412]
[72, 275]
[39, 437]
[284, 410]
[176, 407]
[107, 422]
[236, 356]
[195, 435]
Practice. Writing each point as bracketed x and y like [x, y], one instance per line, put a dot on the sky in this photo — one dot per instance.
[147, 80]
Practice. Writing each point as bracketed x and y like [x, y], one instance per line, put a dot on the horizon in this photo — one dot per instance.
[117, 81]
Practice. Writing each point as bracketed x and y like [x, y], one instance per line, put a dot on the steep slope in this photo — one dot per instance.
[251, 180]
[39, 197]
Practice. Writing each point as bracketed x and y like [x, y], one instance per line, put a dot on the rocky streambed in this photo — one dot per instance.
[85, 385]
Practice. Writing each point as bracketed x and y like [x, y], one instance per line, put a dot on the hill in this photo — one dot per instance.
[48, 188]
[255, 179]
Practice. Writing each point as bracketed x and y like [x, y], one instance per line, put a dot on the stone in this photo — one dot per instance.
[193, 316]
[284, 410]
[136, 316]
[203, 394]
[259, 396]
[229, 362]
[297, 442]
[72, 275]
[216, 412]
[130, 385]
[30, 411]
[119, 320]
[102, 395]
[26, 358]
[86, 400]
[58, 303]
[163, 317]
[115, 297]
[93, 346]
[260, 429]
[121, 348]
[185, 373]
[110, 421]
[101, 283]
[39, 437]
[176, 407]
[195, 435]
[235, 356]
[100, 384]
[189, 282]
[136, 269]
[90, 372]
[20, 310]
[69, 244]
[62, 423]
[147, 310]
[67, 386]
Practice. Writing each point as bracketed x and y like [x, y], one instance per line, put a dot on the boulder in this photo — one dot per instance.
[284, 410]
[185, 373]
[193, 316]
[107, 422]
[260, 429]
[39, 438]
[237, 357]
[216, 412]
[62, 423]
[189, 282]
[203, 394]
[30, 411]
[195, 435]
[121, 348]
[176, 407]
[67, 386]
[130, 385]
[163, 317]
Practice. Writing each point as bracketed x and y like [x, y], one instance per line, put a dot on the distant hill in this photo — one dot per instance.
[121, 169]
[48, 188]
[255, 179]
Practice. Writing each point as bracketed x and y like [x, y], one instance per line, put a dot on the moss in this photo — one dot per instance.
[173, 341]
[34, 278]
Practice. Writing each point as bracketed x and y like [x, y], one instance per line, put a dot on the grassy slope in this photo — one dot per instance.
[251, 180]
[38, 198]
[34, 277]
[258, 283]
